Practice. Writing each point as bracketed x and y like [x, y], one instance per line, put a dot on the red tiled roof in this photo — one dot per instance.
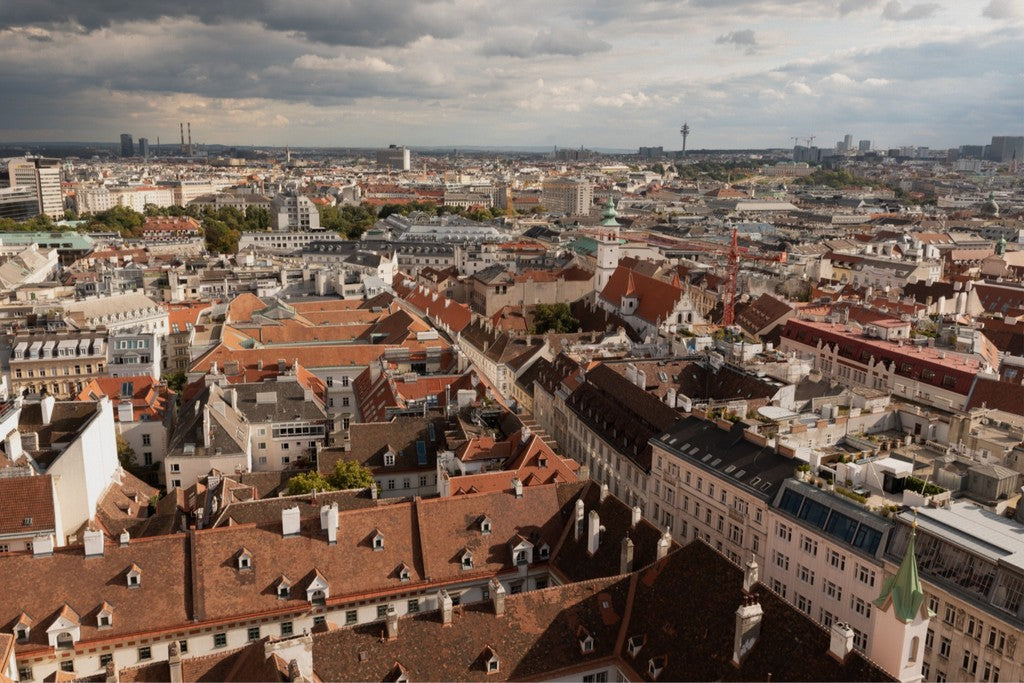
[657, 298]
[26, 499]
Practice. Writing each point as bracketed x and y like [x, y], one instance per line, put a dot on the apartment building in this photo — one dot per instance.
[144, 413]
[295, 212]
[42, 176]
[131, 312]
[56, 363]
[567, 196]
[130, 354]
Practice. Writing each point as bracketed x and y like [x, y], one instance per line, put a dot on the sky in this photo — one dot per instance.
[594, 73]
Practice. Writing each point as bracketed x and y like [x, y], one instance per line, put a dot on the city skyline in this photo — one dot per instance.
[743, 73]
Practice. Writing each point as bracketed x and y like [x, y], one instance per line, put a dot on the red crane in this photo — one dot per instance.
[730, 282]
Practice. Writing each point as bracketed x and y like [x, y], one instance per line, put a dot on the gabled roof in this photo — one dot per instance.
[26, 505]
[657, 298]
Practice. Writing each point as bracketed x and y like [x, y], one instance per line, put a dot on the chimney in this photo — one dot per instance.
[259, 364]
[593, 532]
[641, 379]
[290, 521]
[636, 516]
[750, 575]
[580, 513]
[444, 603]
[517, 487]
[46, 406]
[840, 640]
[110, 673]
[670, 398]
[332, 524]
[93, 543]
[604, 492]
[626, 556]
[124, 539]
[42, 545]
[174, 662]
[748, 628]
[392, 623]
[497, 597]
[295, 672]
[125, 411]
[233, 398]
[664, 543]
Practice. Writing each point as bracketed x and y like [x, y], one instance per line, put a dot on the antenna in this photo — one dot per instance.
[685, 132]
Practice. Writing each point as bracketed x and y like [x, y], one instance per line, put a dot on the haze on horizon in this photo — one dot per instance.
[742, 73]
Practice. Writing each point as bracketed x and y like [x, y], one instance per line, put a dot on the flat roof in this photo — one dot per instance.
[976, 529]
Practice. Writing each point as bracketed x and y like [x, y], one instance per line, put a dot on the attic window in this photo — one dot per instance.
[403, 573]
[284, 591]
[485, 525]
[134, 576]
[104, 620]
[244, 560]
[586, 642]
[27, 521]
[634, 644]
[467, 560]
[378, 541]
[21, 633]
[656, 665]
[389, 459]
[545, 551]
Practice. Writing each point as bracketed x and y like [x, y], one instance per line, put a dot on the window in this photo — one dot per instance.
[175, 468]
[412, 606]
[974, 627]
[220, 639]
[781, 560]
[146, 439]
[145, 654]
[833, 590]
[970, 662]
[929, 639]
[182, 646]
[865, 575]
[933, 604]
[735, 534]
[826, 618]
[990, 673]
[68, 666]
[319, 620]
[253, 633]
[106, 659]
[860, 606]
[837, 560]
[391, 484]
[944, 647]
[996, 639]
[805, 575]
[344, 401]
[784, 531]
[382, 611]
[860, 640]
[351, 616]
[286, 629]
[809, 545]
[950, 616]
[803, 604]
[147, 458]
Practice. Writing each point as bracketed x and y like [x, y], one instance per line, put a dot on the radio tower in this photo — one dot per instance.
[685, 132]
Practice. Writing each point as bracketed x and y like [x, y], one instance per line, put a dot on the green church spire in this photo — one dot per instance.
[610, 214]
[904, 588]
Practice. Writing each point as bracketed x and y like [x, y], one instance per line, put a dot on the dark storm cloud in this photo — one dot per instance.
[333, 22]
[565, 43]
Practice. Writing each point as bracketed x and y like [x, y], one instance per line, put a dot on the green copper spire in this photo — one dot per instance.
[1001, 246]
[905, 586]
[610, 214]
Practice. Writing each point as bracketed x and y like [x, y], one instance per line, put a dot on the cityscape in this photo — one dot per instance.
[440, 342]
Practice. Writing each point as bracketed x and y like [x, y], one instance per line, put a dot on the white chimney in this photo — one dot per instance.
[580, 514]
[332, 524]
[840, 640]
[233, 398]
[12, 445]
[125, 538]
[641, 379]
[636, 516]
[290, 521]
[42, 545]
[631, 373]
[664, 543]
[604, 492]
[670, 398]
[444, 603]
[748, 628]
[593, 532]
[93, 543]
[46, 406]
[749, 575]
[497, 596]
[392, 623]
[174, 662]
[125, 411]
[626, 556]
[517, 487]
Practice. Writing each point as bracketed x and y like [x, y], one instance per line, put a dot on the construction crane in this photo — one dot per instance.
[729, 314]
[810, 140]
[796, 139]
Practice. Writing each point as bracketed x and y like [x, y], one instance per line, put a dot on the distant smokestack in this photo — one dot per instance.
[190, 138]
[182, 126]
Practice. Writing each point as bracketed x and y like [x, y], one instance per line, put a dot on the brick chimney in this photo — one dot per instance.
[593, 532]
[626, 556]
[748, 628]
[497, 596]
[840, 641]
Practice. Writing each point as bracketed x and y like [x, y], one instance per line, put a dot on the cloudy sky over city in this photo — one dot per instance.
[530, 72]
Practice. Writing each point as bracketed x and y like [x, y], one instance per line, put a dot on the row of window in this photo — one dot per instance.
[65, 371]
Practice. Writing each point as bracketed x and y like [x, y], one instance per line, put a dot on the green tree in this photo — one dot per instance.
[553, 318]
[121, 219]
[658, 168]
[349, 474]
[307, 482]
[125, 454]
[220, 237]
[175, 381]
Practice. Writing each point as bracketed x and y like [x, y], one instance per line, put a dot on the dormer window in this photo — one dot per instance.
[491, 660]
[655, 665]
[244, 560]
[105, 618]
[389, 458]
[284, 588]
[378, 540]
[544, 551]
[485, 525]
[634, 644]
[467, 560]
[134, 576]
[403, 573]
[318, 590]
[21, 633]
[586, 640]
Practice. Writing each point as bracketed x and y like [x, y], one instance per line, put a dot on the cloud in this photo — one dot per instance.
[894, 11]
[1002, 9]
[744, 38]
[567, 43]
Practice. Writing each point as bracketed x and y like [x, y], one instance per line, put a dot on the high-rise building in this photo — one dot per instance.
[144, 148]
[864, 145]
[1006, 148]
[42, 176]
[394, 158]
[18, 203]
[569, 196]
[847, 142]
[127, 148]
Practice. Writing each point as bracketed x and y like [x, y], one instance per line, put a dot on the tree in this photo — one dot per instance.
[658, 168]
[553, 318]
[307, 482]
[349, 474]
[125, 454]
[175, 381]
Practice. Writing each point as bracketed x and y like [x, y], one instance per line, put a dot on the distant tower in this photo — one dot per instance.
[287, 156]
[608, 249]
[189, 138]
[127, 148]
[182, 127]
[900, 620]
[685, 132]
[144, 148]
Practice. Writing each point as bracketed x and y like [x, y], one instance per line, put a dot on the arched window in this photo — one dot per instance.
[915, 643]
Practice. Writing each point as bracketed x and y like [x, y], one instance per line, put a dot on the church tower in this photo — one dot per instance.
[608, 249]
[900, 620]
